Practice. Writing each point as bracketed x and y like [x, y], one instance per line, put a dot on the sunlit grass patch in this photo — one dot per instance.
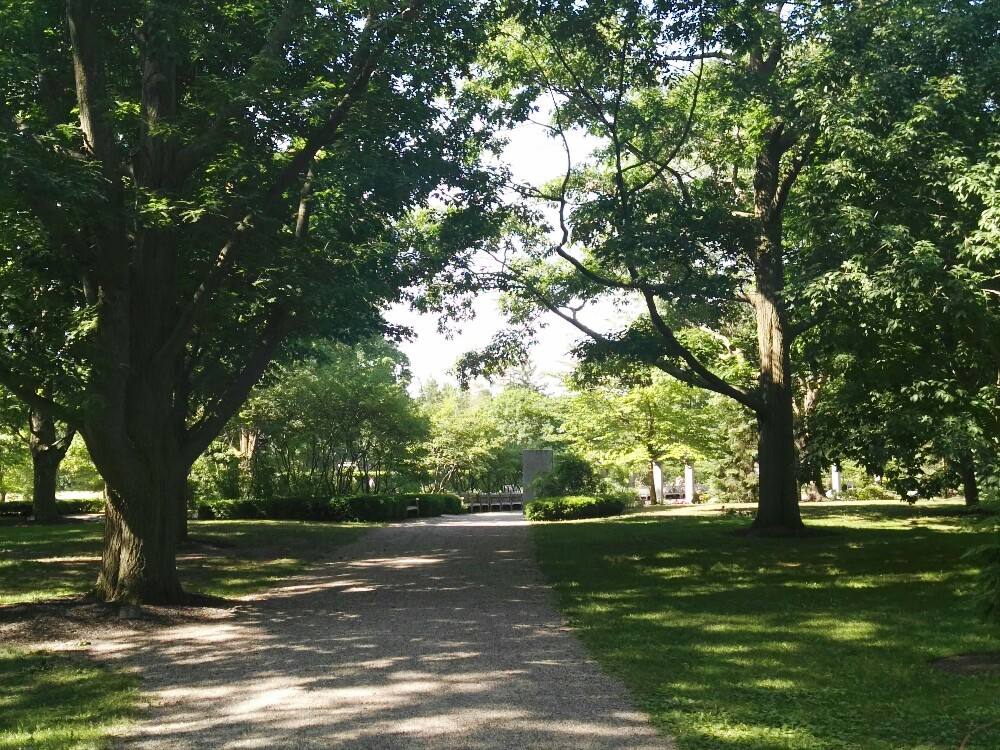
[224, 558]
[785, 644]
[60, 702]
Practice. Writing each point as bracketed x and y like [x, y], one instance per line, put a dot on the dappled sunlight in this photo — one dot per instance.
[436, 634]
[793, 644]
[395, 563]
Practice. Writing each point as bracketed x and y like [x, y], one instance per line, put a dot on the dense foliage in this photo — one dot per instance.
[369, 507]
[570, 507]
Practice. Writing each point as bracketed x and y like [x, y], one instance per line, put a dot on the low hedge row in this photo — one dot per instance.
[65, 507]
[339, 508]
[573, 507]
[89, 505]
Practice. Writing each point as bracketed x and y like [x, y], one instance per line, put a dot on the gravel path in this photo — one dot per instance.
[430, 634]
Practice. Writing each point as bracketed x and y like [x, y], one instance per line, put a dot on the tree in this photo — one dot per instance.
[337, 422]
[48, 445]
[625, 426]
[192, 184]
[910, 338]
[476, 439]
[687, 205]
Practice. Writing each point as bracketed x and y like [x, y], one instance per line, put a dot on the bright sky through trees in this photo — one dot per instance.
[534, 158]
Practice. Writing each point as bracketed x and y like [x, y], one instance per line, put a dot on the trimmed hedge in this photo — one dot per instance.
[372, 508]
[92, 505]
[65, 507]
[229, 510]
[573, 507]
[437, 504]
[15, 509]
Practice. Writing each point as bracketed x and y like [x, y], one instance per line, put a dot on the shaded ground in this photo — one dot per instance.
[823, 643]
[430, 634]
[49, 564]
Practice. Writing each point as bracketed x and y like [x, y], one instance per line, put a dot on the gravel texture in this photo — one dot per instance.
[438, 633]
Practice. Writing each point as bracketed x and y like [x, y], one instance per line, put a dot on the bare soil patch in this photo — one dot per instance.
[969, 664]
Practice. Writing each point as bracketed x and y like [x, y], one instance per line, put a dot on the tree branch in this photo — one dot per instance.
[785, 187]
[91, 91]
[361, 72]
[709, 380]
[201, 434]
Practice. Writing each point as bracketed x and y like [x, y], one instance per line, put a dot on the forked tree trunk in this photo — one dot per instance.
[47, 452]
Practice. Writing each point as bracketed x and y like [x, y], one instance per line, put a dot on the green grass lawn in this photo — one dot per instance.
[51, 700]
[785, 644]
[224, 558]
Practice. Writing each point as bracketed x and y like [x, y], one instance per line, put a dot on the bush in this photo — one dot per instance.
[299, 508]
[870, 492]
[570, 475]
[229, 510]
[87, 505]
[436, 504]
[573, 507]
[371, 508]
[15, 509]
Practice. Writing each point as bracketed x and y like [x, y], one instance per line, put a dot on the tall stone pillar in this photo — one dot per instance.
[657, 488]
[835, 480]
[689, 482]
[533, 463]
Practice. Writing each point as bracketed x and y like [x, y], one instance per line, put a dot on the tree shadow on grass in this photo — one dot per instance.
[436, 635]
[781, 644]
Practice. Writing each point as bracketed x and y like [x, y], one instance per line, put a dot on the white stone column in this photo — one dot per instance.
[689, 482]
[657, 488]
[835, 483]
[533, 463]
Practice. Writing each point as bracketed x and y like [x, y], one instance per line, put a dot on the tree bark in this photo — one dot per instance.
[816, 478]
[969, 484]
[778, 500]
[47, 452]
[140, 544]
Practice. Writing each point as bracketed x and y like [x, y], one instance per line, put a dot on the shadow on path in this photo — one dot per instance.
[430, 634]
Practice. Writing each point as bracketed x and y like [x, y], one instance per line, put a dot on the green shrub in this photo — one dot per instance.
[15, 509]
[371, 508]
[435, 504]
[870, 492]
[229, 510]
[573, 507]
[570, 475]
[299, 508]
[87, 505]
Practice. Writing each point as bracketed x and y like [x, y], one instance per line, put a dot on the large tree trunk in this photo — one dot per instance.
[47, 452]
[969, 484]
[816, 479]
[778, 502]
[140, 542]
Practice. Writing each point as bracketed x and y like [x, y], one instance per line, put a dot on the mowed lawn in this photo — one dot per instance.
[223, 558]
[59, 701]
[785, 644]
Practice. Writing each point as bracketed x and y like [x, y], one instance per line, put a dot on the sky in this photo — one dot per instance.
[533, 158]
